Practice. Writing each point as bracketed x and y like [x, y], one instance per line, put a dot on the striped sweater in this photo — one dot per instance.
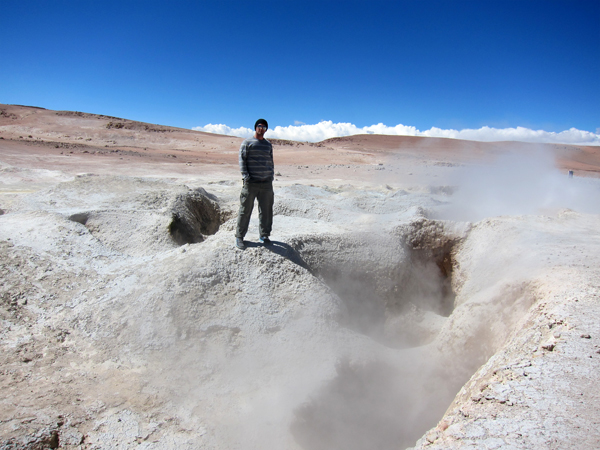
[256, 160]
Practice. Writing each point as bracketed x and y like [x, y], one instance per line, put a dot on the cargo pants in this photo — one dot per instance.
[263, 192]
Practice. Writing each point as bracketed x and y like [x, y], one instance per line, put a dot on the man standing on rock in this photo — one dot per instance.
[256, 165]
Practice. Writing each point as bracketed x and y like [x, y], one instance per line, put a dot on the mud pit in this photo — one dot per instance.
[374, 321]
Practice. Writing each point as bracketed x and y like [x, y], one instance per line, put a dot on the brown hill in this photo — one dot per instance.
[83, 141]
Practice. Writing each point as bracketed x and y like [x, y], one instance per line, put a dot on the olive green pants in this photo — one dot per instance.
[263, 192]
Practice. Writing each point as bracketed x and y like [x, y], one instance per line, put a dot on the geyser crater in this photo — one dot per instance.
[396, 287]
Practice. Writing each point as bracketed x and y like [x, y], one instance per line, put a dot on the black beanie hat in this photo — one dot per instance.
[261, 121]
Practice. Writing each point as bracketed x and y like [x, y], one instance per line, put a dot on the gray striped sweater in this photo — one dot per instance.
[256, 160]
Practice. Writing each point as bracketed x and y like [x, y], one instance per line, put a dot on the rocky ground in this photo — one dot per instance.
[418, 293]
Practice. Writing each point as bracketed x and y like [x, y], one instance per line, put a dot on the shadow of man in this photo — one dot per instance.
[288, 252]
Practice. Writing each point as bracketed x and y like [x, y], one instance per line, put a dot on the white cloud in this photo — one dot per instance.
[327, 129]
[224, 129]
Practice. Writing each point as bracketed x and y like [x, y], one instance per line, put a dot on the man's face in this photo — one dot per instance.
[261, 130]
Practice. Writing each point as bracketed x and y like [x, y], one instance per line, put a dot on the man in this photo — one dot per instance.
[256, 165]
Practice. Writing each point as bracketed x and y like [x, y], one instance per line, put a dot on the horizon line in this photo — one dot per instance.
[326, 129]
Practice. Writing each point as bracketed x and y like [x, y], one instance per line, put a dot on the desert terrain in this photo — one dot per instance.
[419, 293]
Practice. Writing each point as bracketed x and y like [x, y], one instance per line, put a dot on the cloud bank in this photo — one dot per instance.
[327, 129]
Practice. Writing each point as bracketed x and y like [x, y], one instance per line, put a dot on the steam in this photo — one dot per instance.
[316, 383]
[516, 184]
[327, 129]
[374, 405]
[313, 382]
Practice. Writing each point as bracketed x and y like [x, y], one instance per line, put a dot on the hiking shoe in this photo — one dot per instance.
[265, 240]
[239, 243]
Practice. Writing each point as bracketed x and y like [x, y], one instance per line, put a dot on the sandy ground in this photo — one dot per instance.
[418, 290]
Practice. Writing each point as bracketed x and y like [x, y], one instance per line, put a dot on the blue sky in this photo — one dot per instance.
[426, 65]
